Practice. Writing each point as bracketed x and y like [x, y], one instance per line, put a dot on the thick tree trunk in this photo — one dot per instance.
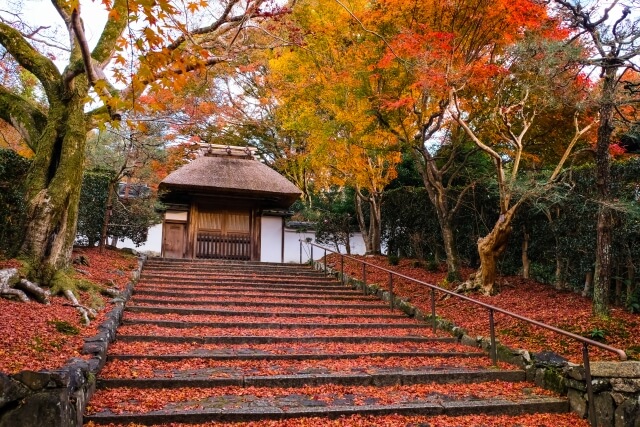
[362, 225]
[490, 247]
[54, 183]
[371, 234]
[602, 276]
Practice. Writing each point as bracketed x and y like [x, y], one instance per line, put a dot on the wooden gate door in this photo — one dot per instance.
[174, 240]
[224, 235]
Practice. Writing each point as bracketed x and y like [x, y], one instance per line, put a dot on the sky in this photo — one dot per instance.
[42, 12]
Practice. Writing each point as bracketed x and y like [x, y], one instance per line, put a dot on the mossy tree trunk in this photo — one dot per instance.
[54, 184]
[56, 132]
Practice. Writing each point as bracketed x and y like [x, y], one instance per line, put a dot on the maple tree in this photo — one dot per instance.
[322, 88]
[435, 46]
[522, 93]
[147, 45]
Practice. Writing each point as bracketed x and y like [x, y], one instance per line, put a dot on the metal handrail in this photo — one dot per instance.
[586, 342]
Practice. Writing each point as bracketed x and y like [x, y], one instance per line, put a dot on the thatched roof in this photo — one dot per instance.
[233, 175]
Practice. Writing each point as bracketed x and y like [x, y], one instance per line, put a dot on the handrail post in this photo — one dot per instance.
[342, 269]
[364, 278]
[492, 334]
[325, 261]
[433, 309]
[391, 290]
[587, 378]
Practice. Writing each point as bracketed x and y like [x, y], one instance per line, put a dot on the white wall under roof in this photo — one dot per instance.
[270, 246]
[271, 239]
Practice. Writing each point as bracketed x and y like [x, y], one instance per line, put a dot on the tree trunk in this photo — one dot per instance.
[619, 288]
[362, 224]
[375, 224]
[54, 182]
[602, 276]
[490, 247]
[451, 251]
[526, 262]
[559, 274]
[588, 282]
[631, 272]
[107, 215]
[371, 234]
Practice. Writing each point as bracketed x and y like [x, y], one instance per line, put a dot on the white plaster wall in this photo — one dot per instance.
[153, 245]
[270, 245]
[292, 246]
[271, 239]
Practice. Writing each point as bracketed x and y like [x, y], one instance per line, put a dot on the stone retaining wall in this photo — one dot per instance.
[616, 385]
[58, 398]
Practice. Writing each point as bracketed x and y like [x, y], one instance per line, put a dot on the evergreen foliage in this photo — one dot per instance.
[13, 171]
[93, 205]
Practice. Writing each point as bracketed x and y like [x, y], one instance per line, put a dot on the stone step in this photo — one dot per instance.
[246, 318]
[203, 378]
[218, 341]
[240, 280]
[272, 292]
[235, 271]
[381, 313]
[243, 303]
[272, 325]
[235, 404]
[220, 262]
[175, 328]
[265, 339]
[264, 357]
[194, 284]
[311, 350]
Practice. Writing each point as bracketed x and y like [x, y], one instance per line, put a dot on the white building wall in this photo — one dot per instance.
[271, 239]
[292, 246]
[270, 248]
[152, 246]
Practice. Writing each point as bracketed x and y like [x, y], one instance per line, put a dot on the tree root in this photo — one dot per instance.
[86, 313]
[111, 292]
[467, 287]
[42, 295]
[8, 279]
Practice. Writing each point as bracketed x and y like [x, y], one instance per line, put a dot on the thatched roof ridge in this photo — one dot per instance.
[232, 175]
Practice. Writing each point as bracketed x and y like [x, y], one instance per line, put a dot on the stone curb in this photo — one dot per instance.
[58, 398]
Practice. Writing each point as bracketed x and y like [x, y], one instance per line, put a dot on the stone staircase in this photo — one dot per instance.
[207, 341]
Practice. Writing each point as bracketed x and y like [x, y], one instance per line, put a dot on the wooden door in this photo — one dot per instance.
[174, 240]
[224, 234]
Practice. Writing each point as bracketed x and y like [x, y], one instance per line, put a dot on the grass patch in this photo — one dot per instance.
[65, 327]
